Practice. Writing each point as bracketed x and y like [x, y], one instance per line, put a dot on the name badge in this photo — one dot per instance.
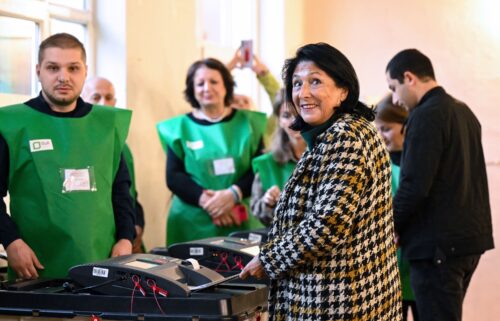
[78, 180]
[224, 166]
[38, 145]
[194, 145]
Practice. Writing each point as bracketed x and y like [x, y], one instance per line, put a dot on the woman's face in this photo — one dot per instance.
[391, 133]
[285, 119]
[209, 87]
[315, 94]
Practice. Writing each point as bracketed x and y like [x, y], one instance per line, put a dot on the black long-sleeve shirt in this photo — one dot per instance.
[181, 183]
[122, 201]
[442, 202]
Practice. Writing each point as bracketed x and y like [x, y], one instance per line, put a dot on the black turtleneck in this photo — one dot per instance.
[122, 201]
[396, 157]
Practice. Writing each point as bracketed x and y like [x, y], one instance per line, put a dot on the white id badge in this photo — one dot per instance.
[194, 145]
[78, 180]
[39, 145]
[224, 166]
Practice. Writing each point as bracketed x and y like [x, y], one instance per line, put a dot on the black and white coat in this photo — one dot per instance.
[331, 253]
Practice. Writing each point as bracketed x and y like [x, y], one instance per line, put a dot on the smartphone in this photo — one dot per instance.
[247, 53]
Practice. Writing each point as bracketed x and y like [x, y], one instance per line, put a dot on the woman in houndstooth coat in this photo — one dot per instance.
[331, 252]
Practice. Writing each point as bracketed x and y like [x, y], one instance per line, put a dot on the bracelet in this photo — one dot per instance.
[236, 195]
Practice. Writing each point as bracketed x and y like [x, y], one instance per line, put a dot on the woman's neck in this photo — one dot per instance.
[298, 147]
[213, 113]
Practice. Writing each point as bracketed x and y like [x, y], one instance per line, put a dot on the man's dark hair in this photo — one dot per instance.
[211, 63]
[413, 61]
[335, 65]
[63, 41]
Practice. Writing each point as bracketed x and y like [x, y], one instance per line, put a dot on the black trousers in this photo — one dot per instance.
[440, 286]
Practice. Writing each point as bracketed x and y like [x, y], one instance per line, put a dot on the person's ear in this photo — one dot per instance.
[38, 70]
[343, 94]
[409, 77]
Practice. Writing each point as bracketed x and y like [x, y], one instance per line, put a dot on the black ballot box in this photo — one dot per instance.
[223, 254]
[256, 235]
[135, 287]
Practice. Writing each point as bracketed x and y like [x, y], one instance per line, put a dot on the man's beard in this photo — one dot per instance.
[60, 102]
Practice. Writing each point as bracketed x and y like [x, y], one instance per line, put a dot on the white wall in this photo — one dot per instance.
[160, 46]
[111, 54]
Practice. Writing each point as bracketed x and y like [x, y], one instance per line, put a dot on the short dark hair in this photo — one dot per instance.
[63, 41]
[337, 67]
[388, 112]
[413, 61]
[211, 63]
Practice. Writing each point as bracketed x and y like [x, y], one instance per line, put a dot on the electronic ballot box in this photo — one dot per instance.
[224, 254]
[136, 287]
[153, 274]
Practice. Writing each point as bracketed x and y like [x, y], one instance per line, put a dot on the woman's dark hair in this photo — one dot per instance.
[211, 63]
[279, 99]
[335, 65]
[388, 112]
[280, 144]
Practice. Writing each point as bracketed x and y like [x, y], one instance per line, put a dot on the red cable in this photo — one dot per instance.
[137, 285]
[223, 261]
[237, 259]
[152, 285]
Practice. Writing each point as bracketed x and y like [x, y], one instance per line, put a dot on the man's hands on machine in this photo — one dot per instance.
[122, 247]
[23, 260]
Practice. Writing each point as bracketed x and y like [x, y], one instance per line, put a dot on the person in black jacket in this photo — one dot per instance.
[441, 210]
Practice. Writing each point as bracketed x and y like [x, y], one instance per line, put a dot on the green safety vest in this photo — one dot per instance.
[404, 265]
[271, 172]
[72, 227]
[198, 146]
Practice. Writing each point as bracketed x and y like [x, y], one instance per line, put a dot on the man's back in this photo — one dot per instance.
[443, 168]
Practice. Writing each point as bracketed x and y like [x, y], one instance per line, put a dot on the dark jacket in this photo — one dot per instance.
[442, 205]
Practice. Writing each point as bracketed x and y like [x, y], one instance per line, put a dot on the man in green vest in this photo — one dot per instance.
[100, 91]
[61, 162]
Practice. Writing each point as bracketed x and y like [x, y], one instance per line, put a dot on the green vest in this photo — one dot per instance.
[201, 147]
[61, 173]
[271, 172]
[404, 266]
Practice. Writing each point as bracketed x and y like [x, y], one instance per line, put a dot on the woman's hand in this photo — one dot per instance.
[253, 268]
[219, 205]
[272, 196]
[205, 197]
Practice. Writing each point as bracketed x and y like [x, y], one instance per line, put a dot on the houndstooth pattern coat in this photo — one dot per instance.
[331, 253]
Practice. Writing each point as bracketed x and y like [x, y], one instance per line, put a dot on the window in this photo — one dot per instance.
[222, 25]
[18, 43]
[24, 24]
